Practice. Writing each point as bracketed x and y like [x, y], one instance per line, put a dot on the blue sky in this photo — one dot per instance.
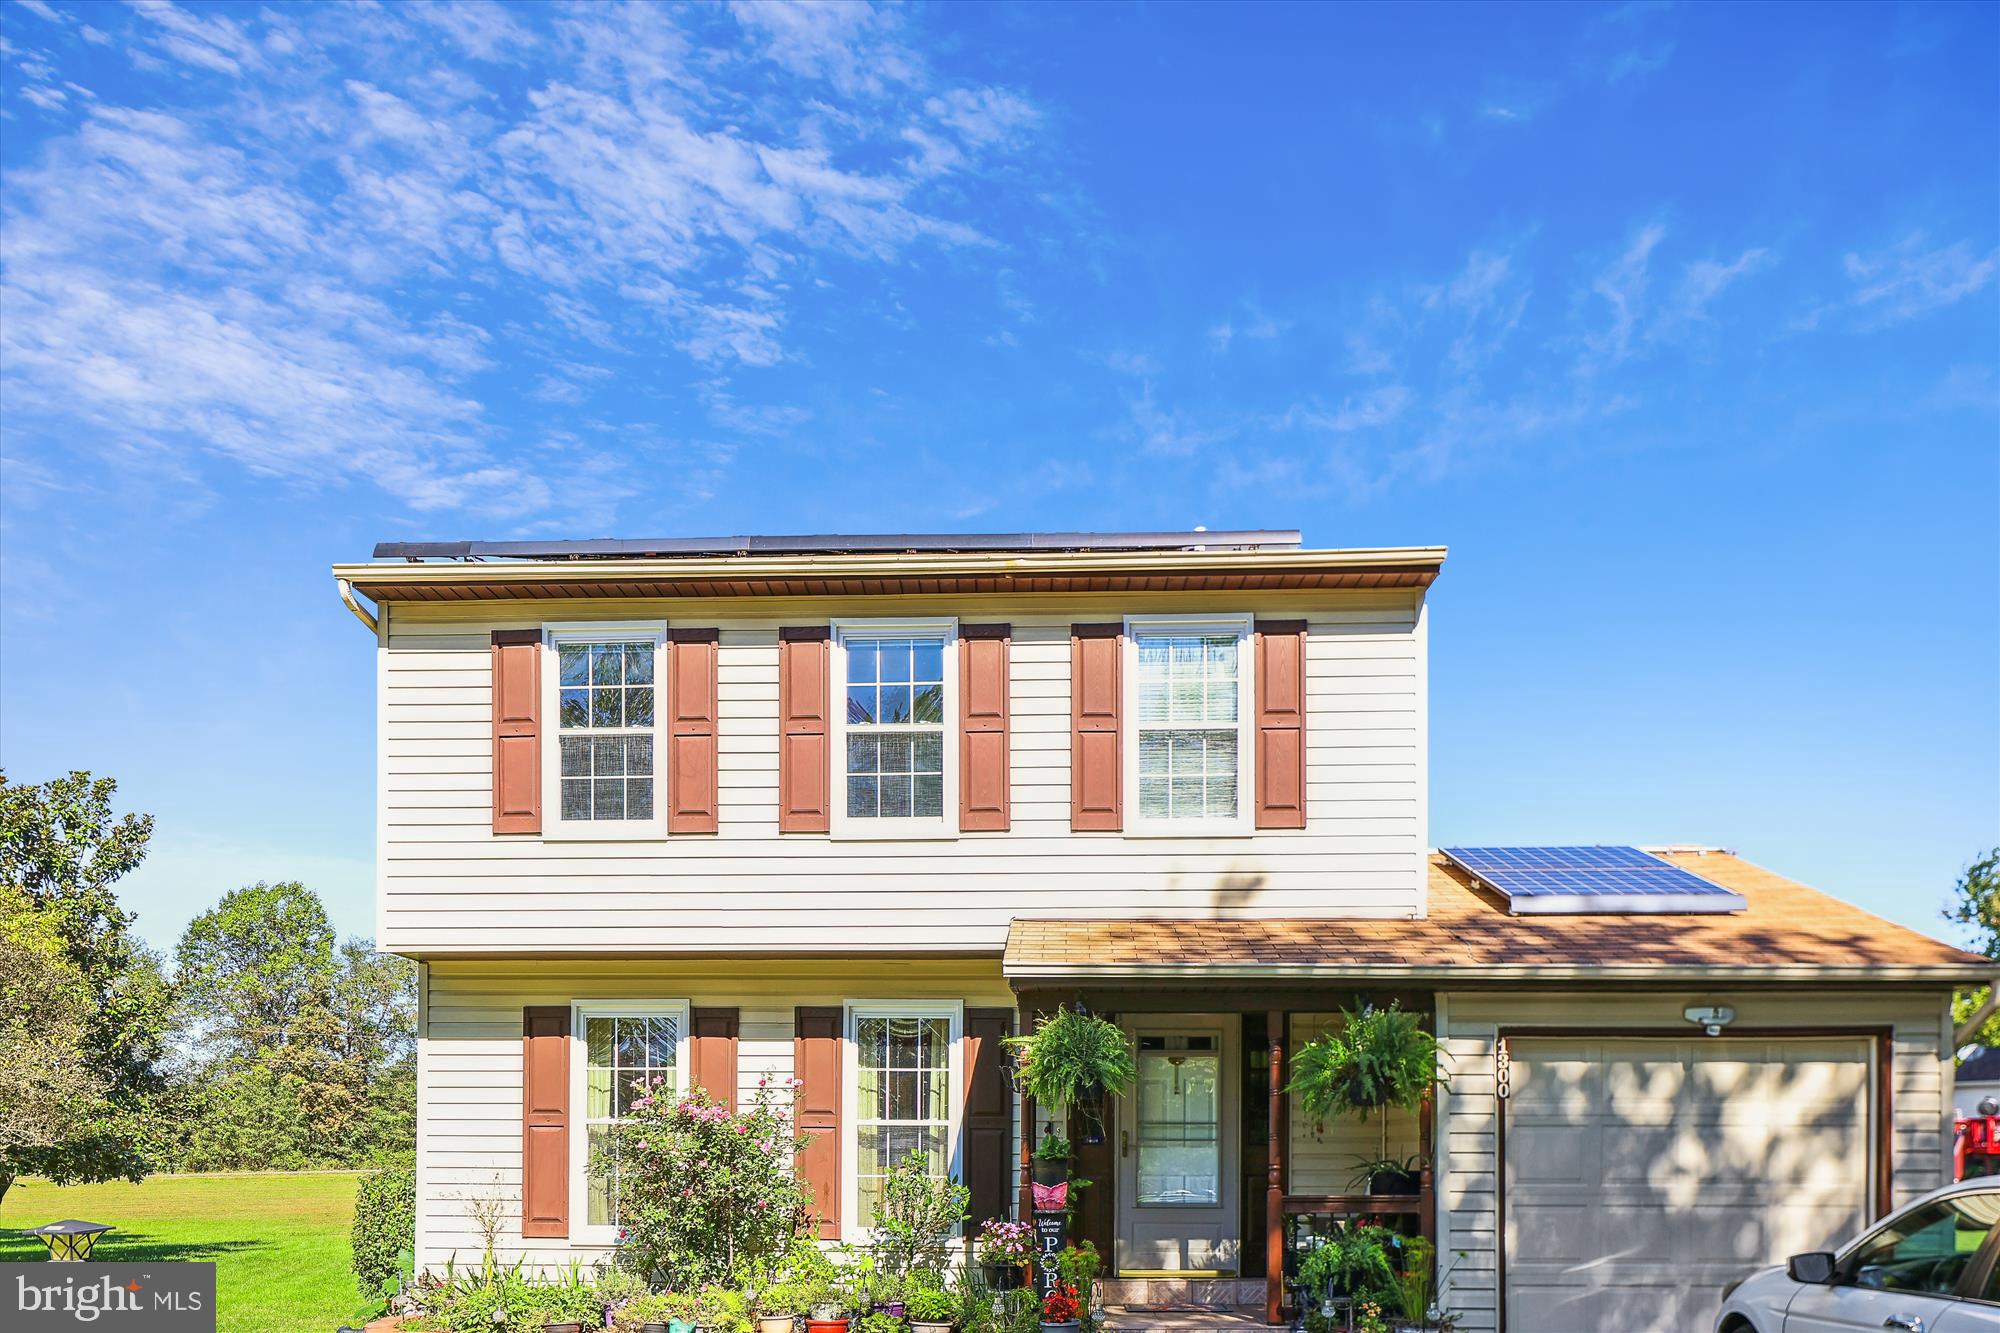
[1678, 324]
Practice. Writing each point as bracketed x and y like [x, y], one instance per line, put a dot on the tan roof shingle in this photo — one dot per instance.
[1788, 931]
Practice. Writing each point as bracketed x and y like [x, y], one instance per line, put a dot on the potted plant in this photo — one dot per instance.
[1052, 1159]
[721, 1309]
[1062, 1312]
[778, 1306]
[826, 1306]
[1077, 1267]
[1377, 1059]
[657, 1312]
[1003, 1250]
[1354, 1262]
[1075, 1059]
[1388, 1175]
[931, 1311]
[880, 1322]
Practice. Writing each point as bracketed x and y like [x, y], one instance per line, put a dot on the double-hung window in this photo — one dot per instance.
[624, 1050]
[601, 773]
[1188, 751]
[904, 1092]
[895, 690]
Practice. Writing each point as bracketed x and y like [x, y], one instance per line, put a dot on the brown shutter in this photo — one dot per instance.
[691, 731]
[714, 1036]
[982, 745]
[1281, 724]
[545, 1120]
[803, 779]
[1094, 757]
[989, 1114]
[517, 740]
[816, 1044]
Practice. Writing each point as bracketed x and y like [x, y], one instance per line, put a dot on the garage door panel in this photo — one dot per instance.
[1553, 1154]
[1647, 1172]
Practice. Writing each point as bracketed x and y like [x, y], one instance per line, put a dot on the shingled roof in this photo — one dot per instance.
[1788, 932]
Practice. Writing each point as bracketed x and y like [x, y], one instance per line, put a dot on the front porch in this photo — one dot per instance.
[1206, 1232]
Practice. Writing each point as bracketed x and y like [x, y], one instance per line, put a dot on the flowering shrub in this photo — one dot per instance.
[1061, 1305]
[703, 1189]
[1005, 1244]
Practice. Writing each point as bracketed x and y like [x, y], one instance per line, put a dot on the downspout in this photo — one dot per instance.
[1977, 1019]
[361, 614]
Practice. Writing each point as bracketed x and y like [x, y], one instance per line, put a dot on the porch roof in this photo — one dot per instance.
[1787, 933]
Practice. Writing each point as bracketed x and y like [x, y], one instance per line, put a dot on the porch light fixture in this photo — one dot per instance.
[1710, 1018]
[70, 1241]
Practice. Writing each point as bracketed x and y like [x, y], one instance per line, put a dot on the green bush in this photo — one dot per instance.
[385, 1223]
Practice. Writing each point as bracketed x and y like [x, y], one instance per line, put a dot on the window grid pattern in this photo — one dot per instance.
[895, 728]
[622, 1056]
[903, 1098]
[1189, 725]
[605, 716]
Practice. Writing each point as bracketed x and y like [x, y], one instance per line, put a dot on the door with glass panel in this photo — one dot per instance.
[1177, 1153]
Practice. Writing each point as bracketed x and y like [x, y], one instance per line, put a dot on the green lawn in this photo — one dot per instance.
[279, 1241]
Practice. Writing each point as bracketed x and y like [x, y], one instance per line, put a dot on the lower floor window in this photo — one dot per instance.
[623, 1053]
[903, 1097]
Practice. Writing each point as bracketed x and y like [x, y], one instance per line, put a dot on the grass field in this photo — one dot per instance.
[279, 1242]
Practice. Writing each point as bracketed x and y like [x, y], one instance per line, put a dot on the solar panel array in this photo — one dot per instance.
[1621, 880]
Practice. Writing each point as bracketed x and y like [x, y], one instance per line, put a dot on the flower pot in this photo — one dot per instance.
[775, 1323]
[826, 1326]
[895, 1309]
[1395, 1182]
[1051, 1170]
[682, 1326]
[652, 1326]
[1067, 1326]
[568, 1326]
[1000, 1277]
[929, 1326]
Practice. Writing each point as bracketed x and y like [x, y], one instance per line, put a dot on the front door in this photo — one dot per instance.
[1177, 1135]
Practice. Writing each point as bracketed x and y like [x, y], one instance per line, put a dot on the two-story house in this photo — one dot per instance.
[852, 809]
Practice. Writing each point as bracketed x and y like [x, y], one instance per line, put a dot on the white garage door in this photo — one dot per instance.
[1643, 1174]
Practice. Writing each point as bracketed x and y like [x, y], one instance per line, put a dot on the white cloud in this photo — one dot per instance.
[1911, 280]
[301, 267]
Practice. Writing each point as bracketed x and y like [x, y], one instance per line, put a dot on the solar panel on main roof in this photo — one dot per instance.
[1611, 880]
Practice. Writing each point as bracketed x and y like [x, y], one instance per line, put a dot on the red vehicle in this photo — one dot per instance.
[1976, 1150]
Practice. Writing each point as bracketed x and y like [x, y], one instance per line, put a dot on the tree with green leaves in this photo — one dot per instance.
[62, 849]
[1976, 903]
[256, 967]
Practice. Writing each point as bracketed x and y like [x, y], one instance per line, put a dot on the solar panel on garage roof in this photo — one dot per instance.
[1612, 880]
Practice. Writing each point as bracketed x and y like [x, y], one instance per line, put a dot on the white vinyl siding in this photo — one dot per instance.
[469, 1062]
[447, 884]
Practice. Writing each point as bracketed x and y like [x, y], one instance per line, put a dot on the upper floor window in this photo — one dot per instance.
[605, 686]
[1188, 695]
[897, 687]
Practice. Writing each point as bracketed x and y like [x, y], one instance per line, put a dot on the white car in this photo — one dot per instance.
[1927, 1268]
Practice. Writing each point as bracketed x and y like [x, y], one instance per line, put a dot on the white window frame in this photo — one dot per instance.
[945, 630]
[1243, 627]
[581, 1231]
[554, 826]
[853, 1224]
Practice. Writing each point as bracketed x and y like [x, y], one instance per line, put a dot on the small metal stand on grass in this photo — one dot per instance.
[71, 1241]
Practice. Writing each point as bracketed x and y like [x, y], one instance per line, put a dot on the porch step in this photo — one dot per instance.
[1182, 1319]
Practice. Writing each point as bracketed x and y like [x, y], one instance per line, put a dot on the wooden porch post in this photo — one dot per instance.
[1274, 1192]
[1025, 1209]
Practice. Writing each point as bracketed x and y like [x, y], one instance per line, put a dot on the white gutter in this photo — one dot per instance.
[360, 613]
[1475, 974]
